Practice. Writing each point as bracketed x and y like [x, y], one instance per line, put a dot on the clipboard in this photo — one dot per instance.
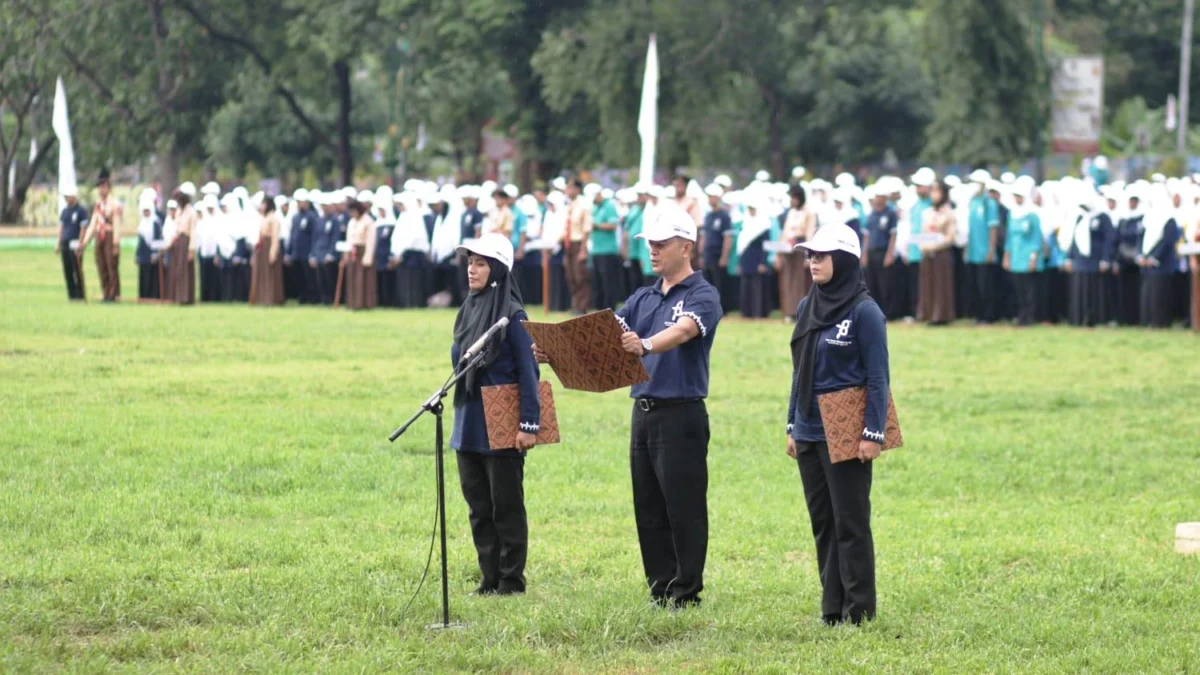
[842, 415]
[586, 354]
[1190, 249]
[928, 238]
[502, 415]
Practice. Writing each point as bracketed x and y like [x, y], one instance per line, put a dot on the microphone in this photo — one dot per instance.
[481, 343]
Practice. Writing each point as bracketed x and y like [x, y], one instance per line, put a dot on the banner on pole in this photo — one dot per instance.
[1077, 104]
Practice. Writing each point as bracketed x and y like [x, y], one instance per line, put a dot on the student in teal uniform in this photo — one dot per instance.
[1023, 251]
[639, 250]
[983, 231]
[923, 180]
[606, 252]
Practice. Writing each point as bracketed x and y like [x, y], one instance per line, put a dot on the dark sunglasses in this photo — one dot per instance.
[816, 256]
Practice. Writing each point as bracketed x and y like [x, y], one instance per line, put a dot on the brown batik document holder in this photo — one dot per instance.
[586, 352]
[502, 415]
[842, 414]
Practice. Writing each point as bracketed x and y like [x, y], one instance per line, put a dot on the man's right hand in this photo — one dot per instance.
[791, 448]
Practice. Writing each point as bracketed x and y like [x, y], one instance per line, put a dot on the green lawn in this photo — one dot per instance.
[210, 489]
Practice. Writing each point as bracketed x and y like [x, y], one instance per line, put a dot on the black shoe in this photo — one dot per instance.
[659, 602]
[483, 591]
[509, 591]
[678, 604]
[832, 619]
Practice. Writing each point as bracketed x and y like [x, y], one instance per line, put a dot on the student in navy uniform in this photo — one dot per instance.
[885, 279]
[385, 224]
[146, 256]
[71, 222]
[305, 222]
[323, 256]
[671, 325]
[1125, 262]
[1089, 257]
[715, 243]
[492, 478]
[840, 342]
[1158, 261]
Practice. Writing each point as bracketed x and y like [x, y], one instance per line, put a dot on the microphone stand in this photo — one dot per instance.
[434, 405]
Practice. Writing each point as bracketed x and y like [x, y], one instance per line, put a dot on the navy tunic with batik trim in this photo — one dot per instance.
[514, 363]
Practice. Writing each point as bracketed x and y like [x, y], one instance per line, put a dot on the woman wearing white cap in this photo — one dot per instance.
[492, 479]
[840, 342]
[266, 264]
[935, 288]
[181, 266]
[359, 262]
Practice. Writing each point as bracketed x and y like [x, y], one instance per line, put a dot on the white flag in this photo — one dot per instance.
[648, 117]
[12, 179]
[66, 150]
[32, 149]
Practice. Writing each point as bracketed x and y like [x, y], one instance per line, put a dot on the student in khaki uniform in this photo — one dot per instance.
[105, 228]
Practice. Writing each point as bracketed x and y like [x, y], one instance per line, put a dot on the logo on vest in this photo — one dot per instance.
[676, 313]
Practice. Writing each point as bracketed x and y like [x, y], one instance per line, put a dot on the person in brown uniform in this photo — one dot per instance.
[361, 291]
[799, 225]
[575, 253]
[935, 289]
[181, 261]
[104, 227]
[266, 268]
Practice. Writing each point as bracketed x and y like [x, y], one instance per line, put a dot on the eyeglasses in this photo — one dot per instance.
[817, 256]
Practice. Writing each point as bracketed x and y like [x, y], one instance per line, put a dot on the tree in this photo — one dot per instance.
[22, 97]
[990, 87]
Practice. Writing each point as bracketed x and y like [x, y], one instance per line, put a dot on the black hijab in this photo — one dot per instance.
[827, 304]
[500, 298]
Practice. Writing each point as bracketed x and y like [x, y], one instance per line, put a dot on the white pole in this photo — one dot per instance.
[1185, 72]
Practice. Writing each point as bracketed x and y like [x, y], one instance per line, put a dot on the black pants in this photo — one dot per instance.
[493, 488]
[877, 285]
[70, 265]
[148, 281]
[327, 281]
[985, 296]
[607, 281]
[668, 461]
[210, 287]
[1026, 289]
[385, 283]
[720, 280]
[839, 505]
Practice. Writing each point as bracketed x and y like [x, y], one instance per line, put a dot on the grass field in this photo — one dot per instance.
[210, 489]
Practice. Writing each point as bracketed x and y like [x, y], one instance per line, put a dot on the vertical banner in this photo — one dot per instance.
[648, 116]
[1077, 100]
[66, 150]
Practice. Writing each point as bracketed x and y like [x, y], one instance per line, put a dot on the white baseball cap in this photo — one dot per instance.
[714, 190]
[300, 195]
[493, 245]
[980, 176]
[924, 177]
[834, 237]
[671, 223]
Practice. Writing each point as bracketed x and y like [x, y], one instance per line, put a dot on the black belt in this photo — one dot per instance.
[648, 404]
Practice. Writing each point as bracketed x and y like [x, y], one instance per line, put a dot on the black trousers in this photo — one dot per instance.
[839, 505]
[385, 283]
[877, 285]
[1026, 289]
[70, 265]
[720, 279]
[210, 287]
[493, 486]
[607, 281]
[668, 461]
[148, 281]
[986, 291]
[327, 281]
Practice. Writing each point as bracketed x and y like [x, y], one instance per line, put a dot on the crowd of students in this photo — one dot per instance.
[935, 248]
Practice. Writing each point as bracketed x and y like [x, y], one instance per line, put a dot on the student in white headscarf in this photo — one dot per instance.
[1158, 259]
[410, 250]
[1090, 256]
[755, 300]
[1023, 250]
[447, 216]
[150, 240]
[207, 231]
[383, 210]
[224, 233]
[1128, 249]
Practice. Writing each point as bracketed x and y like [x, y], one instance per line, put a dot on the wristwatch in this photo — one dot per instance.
[647, 347]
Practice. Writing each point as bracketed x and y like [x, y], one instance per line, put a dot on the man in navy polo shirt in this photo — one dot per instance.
[671, 325]
[71, 223]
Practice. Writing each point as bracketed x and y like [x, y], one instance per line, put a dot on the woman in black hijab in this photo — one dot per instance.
[840, 342]
[492, 478]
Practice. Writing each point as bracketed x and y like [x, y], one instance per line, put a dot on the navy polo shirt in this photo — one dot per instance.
[514, 363]
[881, 225]
[716, 224]
[73, 219]
[683, 371]
[850, 353]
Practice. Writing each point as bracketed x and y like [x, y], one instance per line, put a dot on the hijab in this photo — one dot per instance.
[827, 304]
[500, 298]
